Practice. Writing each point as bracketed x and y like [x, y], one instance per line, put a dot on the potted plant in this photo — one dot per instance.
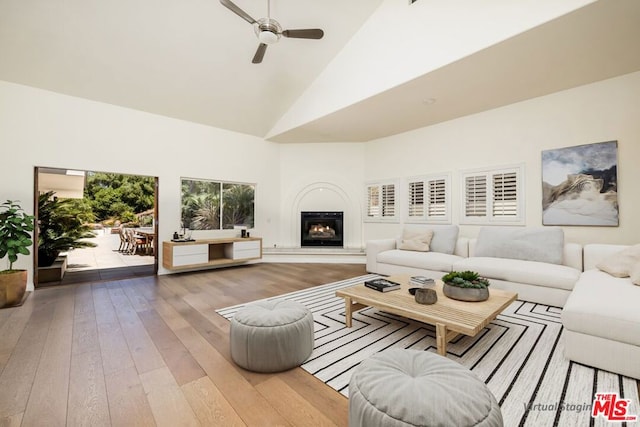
[62, 224]
[15, 226]
[465, 286]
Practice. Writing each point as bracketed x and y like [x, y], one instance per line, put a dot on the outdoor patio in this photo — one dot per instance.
[105, 262]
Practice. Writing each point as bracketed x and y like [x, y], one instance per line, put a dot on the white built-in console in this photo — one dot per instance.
[210, 253]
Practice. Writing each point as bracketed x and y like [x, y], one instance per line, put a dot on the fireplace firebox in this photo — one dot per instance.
[321, 229]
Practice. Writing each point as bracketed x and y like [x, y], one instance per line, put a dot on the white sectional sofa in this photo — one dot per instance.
[602, 317]
[534, 262]
[601, 312]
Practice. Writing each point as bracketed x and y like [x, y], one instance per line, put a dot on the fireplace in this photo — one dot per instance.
[321, 229]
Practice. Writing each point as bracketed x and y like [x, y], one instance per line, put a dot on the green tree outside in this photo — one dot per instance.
[214, 205]
[63, 225]
[237, 205]
[118, 196]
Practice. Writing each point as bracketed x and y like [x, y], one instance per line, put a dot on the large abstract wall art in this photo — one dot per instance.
[580, 185]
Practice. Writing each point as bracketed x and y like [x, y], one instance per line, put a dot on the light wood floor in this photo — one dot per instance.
[152, 351]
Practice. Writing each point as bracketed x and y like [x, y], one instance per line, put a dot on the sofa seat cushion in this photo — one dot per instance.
[436, 261]
[519, 271]
[604, 306]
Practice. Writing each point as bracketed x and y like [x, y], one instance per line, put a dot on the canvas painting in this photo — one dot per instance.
[580, 185]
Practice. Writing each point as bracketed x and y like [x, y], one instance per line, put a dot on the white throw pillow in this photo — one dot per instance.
[445, 237]
[620, 263]
[416, 240]
[635, 274]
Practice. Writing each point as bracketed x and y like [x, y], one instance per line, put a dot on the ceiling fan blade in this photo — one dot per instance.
[257, 58]
[312, 33]
[235, 9]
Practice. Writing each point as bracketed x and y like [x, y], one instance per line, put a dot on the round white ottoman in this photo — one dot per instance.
[271, 336]
[400, 387]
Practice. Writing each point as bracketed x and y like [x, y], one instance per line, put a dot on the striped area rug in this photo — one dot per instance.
[519, 356]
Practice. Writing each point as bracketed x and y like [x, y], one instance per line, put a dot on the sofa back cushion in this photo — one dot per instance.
[444, 237]
[542, 244]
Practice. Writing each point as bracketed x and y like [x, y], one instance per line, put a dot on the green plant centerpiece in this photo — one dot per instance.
[15, 239]
[62, 225]
[465, 286]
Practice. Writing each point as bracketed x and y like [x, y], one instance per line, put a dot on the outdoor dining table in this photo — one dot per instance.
[148, 235]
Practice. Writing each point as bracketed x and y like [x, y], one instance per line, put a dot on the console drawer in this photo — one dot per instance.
[243, 250]
[190, 254]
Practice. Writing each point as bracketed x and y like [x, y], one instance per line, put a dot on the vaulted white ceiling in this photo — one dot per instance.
[188, 59]
[191, 60]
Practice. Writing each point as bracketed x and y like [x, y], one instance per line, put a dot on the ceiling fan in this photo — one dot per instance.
[269, 30]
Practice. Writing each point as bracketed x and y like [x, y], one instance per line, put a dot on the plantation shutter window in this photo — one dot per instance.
[428, 199]
[492, 196]
[505, 194]
[437, 198]
[388, 200]
[476, 196]
[381, 202]
[373, 201]
[416, 199]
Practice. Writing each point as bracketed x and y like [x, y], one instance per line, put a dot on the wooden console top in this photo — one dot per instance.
[213, 241]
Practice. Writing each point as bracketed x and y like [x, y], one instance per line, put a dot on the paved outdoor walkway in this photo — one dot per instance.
[105, 255]
[104, 262]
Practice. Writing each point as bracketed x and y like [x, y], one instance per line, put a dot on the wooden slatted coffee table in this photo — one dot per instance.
[450, 317]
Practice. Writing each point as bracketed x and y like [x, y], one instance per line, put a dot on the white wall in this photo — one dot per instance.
[603, 111]
[321, 177]
[422, 37]
[41, 128]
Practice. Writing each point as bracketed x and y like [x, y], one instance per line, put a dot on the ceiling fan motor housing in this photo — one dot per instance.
[268, 30]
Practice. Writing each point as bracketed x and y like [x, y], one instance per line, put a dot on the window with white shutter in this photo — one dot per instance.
[475, 188]
[415, 208]
[381, 201]
[438, 199]
[388, 200]
[428, 199]
[373, 201]
[505, 195]
[491, 196]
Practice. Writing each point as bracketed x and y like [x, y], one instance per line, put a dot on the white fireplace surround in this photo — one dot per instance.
[323, 196]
